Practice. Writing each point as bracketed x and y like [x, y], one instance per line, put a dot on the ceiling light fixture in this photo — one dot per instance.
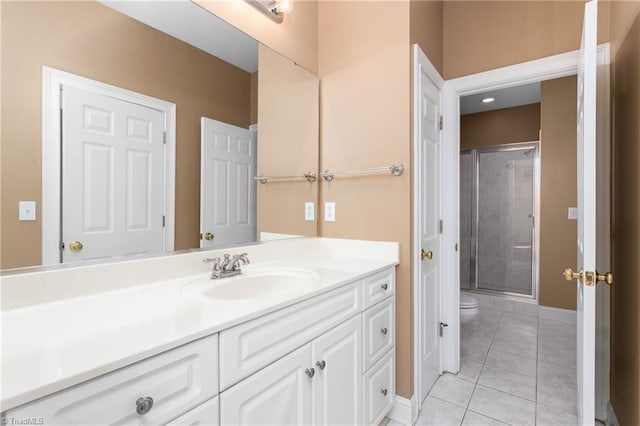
[272, 8]
[488, 100]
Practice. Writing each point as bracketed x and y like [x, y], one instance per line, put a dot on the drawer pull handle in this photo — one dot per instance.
[310, 372]
[143, 405]
[384, 286]
[384, 391]
[384, 331]
[321, 364]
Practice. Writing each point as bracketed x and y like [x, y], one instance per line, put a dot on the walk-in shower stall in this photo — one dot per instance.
[498, 219]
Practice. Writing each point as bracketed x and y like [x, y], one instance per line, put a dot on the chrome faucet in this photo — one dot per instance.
[228, 266]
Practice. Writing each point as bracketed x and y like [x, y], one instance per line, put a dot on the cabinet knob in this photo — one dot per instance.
[384, 286]
[384, 391]
[321, 364]
[384, 331]
[143, 405]
[310, 372]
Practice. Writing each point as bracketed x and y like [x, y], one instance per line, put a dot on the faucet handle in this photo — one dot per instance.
[242, 257]
[214, 260]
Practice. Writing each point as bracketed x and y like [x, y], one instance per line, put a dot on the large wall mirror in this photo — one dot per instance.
[139, 128]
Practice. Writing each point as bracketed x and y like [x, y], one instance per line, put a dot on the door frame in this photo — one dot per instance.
[551, 67]
[52, 81]
[421, 63]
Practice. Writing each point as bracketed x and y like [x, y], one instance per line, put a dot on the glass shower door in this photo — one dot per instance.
[505, 219]
[466, 225]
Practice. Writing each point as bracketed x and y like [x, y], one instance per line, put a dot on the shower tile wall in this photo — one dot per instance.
[504, 227]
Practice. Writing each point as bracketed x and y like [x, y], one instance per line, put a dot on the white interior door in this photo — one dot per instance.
[586, 293]
[227, 187]
[429, 230]
[112, 177]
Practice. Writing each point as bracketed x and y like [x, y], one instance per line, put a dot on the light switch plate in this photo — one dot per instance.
[27, 210]
[330, 211]
[573, 213]
[310, 211]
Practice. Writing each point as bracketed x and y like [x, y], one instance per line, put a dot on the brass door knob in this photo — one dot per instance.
[75, 246]
[570, 275]
[426, 254]
[606, 278]
[209, 236]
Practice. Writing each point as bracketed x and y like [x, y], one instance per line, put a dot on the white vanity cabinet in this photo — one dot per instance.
[334, 360]
[153, 391]
[327, 360]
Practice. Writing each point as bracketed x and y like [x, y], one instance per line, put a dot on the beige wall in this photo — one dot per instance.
[558, 190]
[500, 126]
[93, 41]
[288, 116]
[365, 113]
[555, 115]
[425, 28]
[483, 35]
[625, 314]
[296, 37]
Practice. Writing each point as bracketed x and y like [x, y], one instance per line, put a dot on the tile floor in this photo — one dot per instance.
[516, 369]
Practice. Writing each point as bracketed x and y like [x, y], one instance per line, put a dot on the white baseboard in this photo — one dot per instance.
[404, 411]
[557, 314]
[612, 420]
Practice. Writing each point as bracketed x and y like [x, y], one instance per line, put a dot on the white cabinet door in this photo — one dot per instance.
[337, 385]
[277, 395]
[205, 414]
[227, 187]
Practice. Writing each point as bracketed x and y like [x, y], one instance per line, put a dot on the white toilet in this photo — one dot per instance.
[468, 308]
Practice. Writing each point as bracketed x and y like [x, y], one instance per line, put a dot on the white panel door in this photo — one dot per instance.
[429, 229]
[227, 187]
[337, 387]
[112, 176]
[586, 293]
[277, 395]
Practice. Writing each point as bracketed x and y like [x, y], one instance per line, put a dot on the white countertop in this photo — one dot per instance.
[50, 346]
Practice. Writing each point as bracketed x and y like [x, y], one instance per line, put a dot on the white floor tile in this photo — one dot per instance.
[519, 345]
[522, 308]
[451, 389]
[440, 413]
[550, 416]
[512, 362]
[469, 370]
[509, 382]
[475, 419]
[554, 396]
[557, 374]
[503, 407]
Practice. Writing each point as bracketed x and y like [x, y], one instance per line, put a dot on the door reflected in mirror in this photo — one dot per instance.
[147, 133]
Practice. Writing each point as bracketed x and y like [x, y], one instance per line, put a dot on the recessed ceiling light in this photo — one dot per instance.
[488, 100]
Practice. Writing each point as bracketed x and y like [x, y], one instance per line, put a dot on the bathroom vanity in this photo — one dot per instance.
[294, 339]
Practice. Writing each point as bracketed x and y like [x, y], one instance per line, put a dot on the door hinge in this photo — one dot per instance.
[442, 326]
[440, 225]
[440, 123]
[60, 94]
[62, 245]
[163, 221]
[164, 137]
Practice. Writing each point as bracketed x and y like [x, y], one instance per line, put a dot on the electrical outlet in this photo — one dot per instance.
[310, 211]
[330, 211]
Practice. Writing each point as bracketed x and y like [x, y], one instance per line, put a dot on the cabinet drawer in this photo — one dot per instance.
[248, 347]
[379, 389]
[204, 414]
[379, 331]
[176, 380]
[378, 287]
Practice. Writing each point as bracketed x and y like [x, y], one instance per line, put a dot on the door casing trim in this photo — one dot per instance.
[551, 67]
[52, 80]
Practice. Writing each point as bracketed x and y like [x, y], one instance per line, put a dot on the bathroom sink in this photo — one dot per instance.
[269, 283]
